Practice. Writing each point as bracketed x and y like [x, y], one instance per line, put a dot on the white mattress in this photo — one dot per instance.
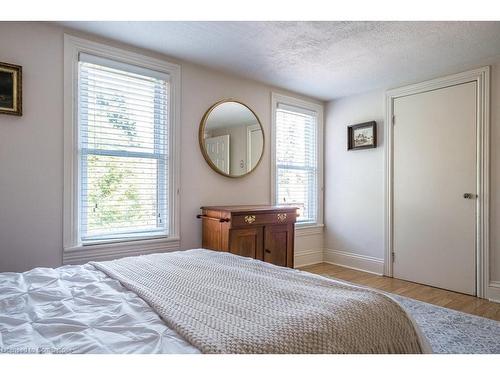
[78, 309]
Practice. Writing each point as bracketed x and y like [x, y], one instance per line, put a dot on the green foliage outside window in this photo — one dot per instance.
[113, 197]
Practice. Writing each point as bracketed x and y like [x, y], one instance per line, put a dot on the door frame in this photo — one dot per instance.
[482, 78]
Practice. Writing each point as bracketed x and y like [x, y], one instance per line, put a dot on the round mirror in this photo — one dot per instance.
[231, 138]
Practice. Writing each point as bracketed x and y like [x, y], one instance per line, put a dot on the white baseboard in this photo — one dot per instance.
[494, 291]
[355, 261]
[308, 257]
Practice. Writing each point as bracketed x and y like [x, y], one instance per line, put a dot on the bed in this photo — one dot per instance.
[197, 301]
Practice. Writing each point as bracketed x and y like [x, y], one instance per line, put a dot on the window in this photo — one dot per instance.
[123, 144]
[122, 148]
[297, 157]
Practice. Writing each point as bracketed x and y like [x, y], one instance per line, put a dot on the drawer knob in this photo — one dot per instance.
[249, 219]
[281, 217]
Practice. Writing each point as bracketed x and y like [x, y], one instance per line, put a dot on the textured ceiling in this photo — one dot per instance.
[326, 60]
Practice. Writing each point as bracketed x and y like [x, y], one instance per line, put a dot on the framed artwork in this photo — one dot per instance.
[10, 89]
[361, 136]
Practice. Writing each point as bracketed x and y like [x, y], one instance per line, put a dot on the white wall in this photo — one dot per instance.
[31, 150]
[354, 182]
[31, 153]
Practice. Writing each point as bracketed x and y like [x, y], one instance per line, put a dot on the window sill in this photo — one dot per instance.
[113, 250]
[308, 229]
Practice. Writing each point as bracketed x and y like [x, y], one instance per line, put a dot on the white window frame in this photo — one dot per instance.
[302, 228]
[74, 251]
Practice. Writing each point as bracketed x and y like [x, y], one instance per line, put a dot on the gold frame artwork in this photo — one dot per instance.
[16, 108]
[201, 133]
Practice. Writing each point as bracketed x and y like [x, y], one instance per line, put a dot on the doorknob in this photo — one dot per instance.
[470, 196]
[268, 251]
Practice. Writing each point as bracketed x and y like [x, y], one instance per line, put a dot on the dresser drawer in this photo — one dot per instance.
[257, 218]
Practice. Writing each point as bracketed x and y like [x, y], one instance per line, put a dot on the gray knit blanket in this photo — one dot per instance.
[223, 303]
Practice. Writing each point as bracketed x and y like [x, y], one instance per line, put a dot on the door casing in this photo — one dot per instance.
[482, 77]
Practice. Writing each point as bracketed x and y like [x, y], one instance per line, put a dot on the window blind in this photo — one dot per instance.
[123, 150]
[297, 160]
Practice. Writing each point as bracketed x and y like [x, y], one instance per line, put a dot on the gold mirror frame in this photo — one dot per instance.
[201, 132]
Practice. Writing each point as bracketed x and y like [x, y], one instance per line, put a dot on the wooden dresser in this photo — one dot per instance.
[260, 232]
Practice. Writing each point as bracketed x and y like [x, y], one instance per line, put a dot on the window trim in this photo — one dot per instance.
[277, 98]
[73, 250]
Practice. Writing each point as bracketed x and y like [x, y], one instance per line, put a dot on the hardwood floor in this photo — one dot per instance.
[436, 296]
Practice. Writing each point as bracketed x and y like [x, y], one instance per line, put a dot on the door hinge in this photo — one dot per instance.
[393, 255]
[393, 120]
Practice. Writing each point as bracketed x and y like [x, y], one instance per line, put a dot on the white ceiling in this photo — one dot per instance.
[230, 115]
[326, 60]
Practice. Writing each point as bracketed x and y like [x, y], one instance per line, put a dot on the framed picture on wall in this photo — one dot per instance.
[361, 136]
[10, 89]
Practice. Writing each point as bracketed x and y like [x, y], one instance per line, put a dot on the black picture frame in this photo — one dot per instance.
[11, 98]
[356, 142]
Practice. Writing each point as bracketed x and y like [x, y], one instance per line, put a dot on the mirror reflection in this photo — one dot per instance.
[231, 138]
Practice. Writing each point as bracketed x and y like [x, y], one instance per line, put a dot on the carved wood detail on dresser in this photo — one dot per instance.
[260, 232]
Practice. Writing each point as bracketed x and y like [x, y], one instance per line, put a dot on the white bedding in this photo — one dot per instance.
[79, 309]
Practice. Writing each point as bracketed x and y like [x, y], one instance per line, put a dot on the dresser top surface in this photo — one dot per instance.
[251, 208]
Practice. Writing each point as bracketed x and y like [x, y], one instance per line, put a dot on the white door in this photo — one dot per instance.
[255, 142]
[434, 166]
[218, 151]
